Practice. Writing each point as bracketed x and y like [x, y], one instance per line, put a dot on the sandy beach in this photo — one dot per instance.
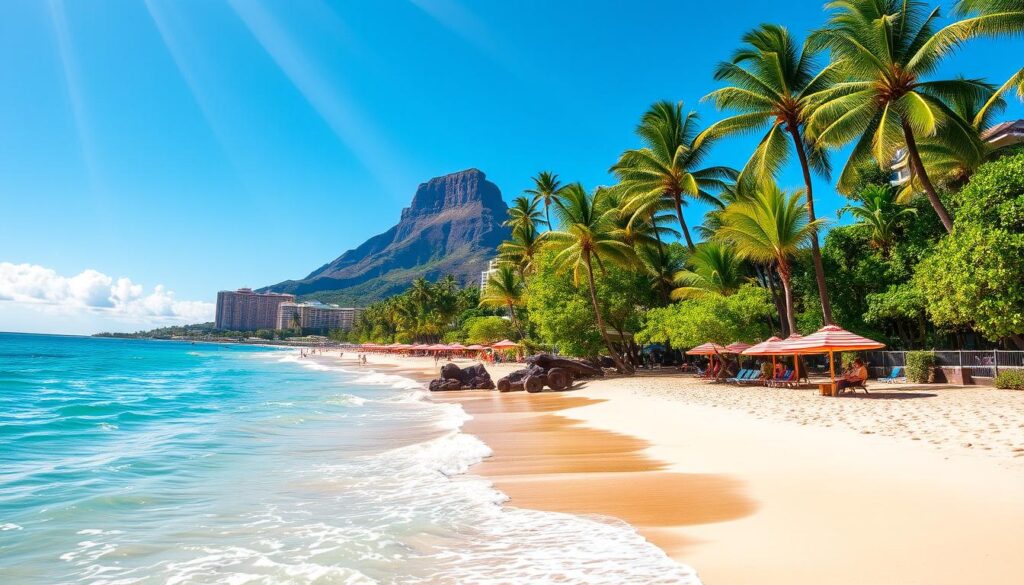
[754, 485]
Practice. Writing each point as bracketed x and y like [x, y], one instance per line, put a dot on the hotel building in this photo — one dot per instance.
[316, 316]
[245, 310]
[485, 275]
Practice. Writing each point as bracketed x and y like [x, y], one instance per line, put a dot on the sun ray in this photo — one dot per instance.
[69, 66]
[355, 131]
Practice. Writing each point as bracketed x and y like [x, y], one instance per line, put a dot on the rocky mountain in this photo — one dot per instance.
[452, 227]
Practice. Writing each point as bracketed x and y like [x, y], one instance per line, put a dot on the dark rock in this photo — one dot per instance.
[455, 378]
[452, 226]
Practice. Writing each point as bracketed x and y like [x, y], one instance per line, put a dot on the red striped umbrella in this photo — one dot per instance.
[829, 339]
[737, 347]
[766, 347]
[708, 349]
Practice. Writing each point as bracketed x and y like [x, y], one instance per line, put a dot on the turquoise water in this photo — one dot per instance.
[130, 461]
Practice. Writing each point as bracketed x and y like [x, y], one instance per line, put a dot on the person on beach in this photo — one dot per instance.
[857, 375]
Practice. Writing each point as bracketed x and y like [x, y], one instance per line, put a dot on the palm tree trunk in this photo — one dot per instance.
[600, 320]
[784, 277]
[918, 168]
[819, 270]
[682, 222]
[547, 213]
[515, 321]
[780, 303]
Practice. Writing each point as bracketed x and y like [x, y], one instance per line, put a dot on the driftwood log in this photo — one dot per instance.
[545, 370]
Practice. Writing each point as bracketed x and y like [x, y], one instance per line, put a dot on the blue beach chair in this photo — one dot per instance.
[894, 376]
[743, 374]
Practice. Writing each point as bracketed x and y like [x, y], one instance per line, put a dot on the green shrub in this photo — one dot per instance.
[1010, 380]
[919, 366]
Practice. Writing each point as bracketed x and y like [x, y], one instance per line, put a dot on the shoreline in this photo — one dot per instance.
[791, 492]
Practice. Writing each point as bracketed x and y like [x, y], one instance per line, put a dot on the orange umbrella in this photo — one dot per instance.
[737, 347]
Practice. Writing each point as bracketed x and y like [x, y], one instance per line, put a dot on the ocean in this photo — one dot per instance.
[135, 461]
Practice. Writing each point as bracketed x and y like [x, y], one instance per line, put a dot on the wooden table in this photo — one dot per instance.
[827, 389]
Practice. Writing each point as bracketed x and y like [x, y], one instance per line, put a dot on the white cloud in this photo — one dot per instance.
[91, 291]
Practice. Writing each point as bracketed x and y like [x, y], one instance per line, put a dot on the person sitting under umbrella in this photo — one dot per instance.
[854, 377]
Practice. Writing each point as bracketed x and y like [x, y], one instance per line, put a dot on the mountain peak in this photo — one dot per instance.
[452, 226]
[455, 190]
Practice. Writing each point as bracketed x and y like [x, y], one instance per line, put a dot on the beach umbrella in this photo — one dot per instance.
[457, 347]
[766, 347]
[785, 348]
[830, 339]
[476, 347]
[737, 348]
[707, 349]
[505, 344]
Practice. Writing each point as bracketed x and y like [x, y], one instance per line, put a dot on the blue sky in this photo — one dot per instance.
[204, 145]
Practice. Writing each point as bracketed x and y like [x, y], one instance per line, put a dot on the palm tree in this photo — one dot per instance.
[771, 80]
[524, 213]
[666, 168]
[771, 226]
[879, 211]
[633, 229]
[948, 166]
[546, 188]
[714, 268]
[521, 249]
[885, 49]
[586, 237]
[662, 264]
[505, 289]
[989, 18]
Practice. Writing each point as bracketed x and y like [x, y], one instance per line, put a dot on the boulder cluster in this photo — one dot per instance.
[542, 371]
[455, 378]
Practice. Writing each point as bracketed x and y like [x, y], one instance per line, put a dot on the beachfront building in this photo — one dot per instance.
[245, 310]
[485, 275]
[998, 136]
[316, 316]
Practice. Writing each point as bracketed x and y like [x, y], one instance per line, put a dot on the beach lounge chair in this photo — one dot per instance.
[743, 374]
[757, 378]
[781, 380]
[894, 376]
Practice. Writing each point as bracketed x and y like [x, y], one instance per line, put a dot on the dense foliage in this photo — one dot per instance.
[974, 277]
[717, 318]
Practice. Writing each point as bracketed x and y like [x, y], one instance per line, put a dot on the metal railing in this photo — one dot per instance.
[980, 364]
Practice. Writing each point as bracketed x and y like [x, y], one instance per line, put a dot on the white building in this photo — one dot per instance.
[998, 136]
[485, 275]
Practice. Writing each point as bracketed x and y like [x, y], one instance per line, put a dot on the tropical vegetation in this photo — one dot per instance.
[935, 260]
